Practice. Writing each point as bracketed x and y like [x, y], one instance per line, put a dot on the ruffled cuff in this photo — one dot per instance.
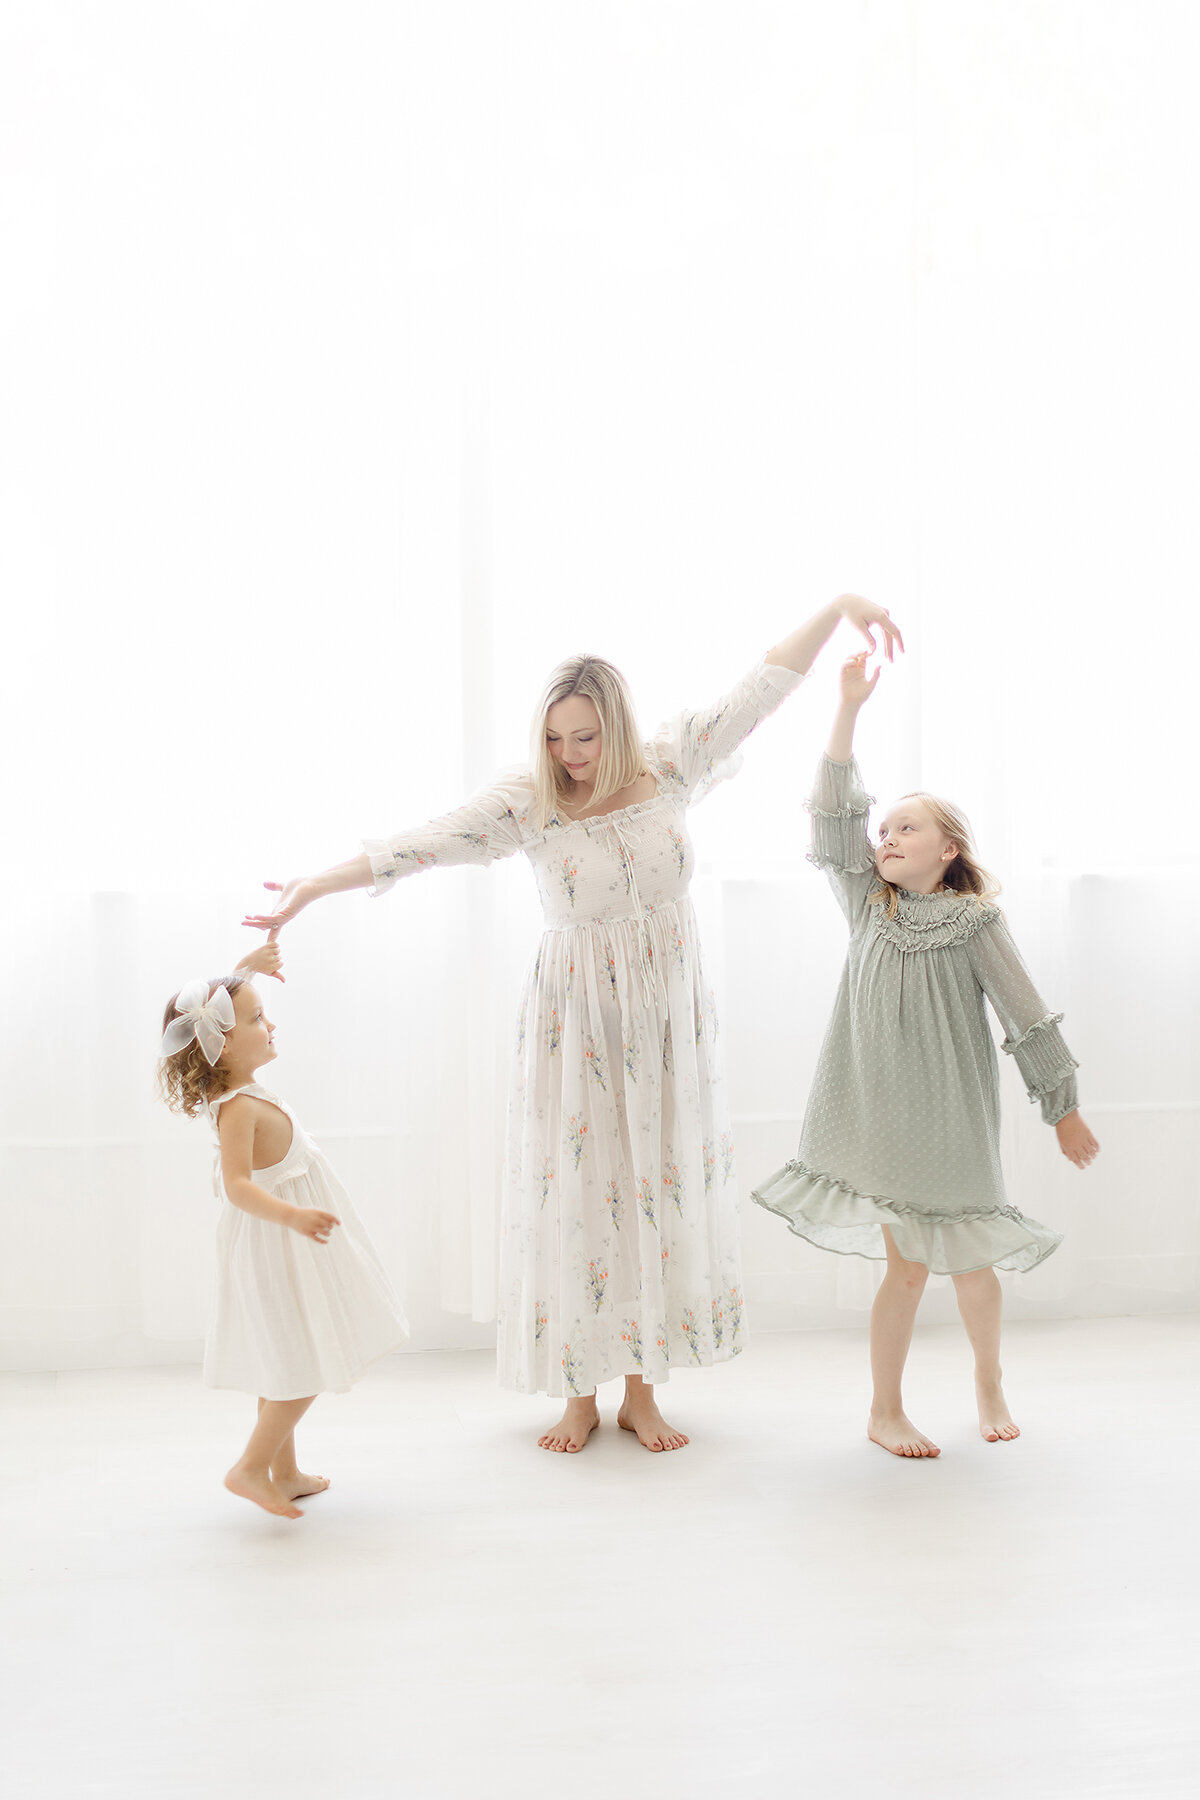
[1047, 1066]
[388, 866]
[783, 681]
[839, 807]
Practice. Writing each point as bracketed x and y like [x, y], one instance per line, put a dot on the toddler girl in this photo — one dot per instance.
[899, 1154]
[302, 1303]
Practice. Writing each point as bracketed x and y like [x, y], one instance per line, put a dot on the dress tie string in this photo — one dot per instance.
[627, 840]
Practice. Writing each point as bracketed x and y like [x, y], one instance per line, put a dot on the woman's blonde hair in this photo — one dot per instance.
[186, 1080]
[964, 875]
[622, 755]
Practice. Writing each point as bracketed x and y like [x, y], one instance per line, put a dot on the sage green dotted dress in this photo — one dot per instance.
[903, 1121]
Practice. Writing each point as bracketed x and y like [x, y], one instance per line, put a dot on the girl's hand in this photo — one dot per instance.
[856, 688]
[313, 1224]
[294, 896]
[862, 614]
[266, 960]
[1076, 1141]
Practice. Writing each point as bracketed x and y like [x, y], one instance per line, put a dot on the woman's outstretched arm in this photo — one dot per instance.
[799, 651]
[302, 890]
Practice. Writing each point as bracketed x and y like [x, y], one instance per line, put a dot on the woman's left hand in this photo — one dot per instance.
[862, 614]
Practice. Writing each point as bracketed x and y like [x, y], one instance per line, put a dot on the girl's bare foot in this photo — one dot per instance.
[295, 1486]
[897, 1433]
[250, 1485]
[639, 1413]
[574, 1428]
[995, 1420]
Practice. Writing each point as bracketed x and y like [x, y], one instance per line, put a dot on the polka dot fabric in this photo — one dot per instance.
[902, 1126]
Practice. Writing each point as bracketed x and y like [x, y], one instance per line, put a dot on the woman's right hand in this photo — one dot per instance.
[856, 688]
[863, 614]
[294, 896]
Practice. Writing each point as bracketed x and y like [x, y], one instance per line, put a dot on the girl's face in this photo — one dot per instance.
[573, 736]
[250, 1043]
[912, 853]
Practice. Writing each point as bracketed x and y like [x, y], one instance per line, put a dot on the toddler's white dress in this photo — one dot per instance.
[293, 1317]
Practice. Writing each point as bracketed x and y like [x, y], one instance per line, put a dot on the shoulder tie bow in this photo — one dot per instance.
[201, 1018]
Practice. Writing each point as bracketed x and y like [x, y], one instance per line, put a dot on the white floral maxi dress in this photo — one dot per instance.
[619, 1250]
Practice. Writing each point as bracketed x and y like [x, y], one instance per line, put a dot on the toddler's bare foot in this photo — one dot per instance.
[248, 1485]
[641, 1415]
[995, 1420]
[294, 1485]
[897, 1433]
[574, 1428]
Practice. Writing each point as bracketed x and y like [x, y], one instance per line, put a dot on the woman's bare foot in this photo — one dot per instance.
[995, 1420]
[250, 1485]
[294, 1485]
[897, 1433]
[574, 1428]
[640, 1414]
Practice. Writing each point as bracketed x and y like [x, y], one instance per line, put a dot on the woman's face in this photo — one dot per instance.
[573, 736]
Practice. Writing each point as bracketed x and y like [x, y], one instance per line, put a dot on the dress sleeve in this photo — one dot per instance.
[698, 749]
[839, 806]
[1031, 1033]
[495, 823]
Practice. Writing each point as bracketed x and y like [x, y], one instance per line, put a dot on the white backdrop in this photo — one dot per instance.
[364, 361]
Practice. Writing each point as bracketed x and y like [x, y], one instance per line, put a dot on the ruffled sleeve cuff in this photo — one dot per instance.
[1047, 1066]
[839, 807]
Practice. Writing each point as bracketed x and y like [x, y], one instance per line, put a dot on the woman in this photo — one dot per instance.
[619, 1235]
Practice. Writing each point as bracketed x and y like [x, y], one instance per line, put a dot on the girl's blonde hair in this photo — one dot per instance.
[186, 1080]
[622, 756]
[964, 875]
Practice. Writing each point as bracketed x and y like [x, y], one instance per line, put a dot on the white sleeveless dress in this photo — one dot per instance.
[293, 1317]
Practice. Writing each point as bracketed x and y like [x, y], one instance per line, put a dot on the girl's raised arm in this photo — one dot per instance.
[840, 804]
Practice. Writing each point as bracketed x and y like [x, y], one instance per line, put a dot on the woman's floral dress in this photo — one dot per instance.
[619, 1229]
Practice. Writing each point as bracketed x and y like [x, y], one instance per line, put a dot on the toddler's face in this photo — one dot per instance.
[250, 1043]
[912, 852]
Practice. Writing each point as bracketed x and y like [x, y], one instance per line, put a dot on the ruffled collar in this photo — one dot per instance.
[931, 921]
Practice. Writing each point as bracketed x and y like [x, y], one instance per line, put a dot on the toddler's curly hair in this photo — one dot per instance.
[186, 1081]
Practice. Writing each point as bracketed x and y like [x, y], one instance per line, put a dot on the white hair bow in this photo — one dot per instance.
[201, 1018]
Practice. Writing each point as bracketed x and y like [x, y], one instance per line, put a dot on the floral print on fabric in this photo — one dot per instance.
[620, 1205]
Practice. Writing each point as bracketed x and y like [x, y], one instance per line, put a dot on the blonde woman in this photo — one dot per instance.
[619, 1232]
[899, 1154]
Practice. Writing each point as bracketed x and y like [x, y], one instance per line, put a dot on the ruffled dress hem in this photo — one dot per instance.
[833, 1215]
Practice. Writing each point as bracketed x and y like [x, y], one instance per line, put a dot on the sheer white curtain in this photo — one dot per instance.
[366, 361]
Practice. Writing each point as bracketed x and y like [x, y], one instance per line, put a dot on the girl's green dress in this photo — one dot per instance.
[902, 1126]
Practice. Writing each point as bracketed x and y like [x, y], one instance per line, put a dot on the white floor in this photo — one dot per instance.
[781, 1609]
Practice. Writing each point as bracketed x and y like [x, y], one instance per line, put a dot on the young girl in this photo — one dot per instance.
[302, 1303]
[899, 1154]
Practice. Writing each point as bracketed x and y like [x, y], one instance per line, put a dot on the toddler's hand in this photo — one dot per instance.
[1076, 1141]
[856, 689]
[311, 1223]
[266, 960]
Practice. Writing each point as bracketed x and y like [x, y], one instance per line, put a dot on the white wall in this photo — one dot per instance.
[364, 361]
